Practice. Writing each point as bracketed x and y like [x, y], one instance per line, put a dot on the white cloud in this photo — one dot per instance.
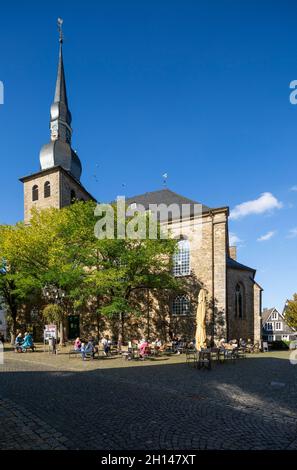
[292, 233]
[294, 188]
[266, 237]
[234, 239]
[266, 202]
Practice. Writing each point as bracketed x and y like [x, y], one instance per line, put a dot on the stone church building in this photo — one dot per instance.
[208, 262]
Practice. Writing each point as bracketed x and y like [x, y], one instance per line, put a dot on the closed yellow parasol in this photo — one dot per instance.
[200, 321]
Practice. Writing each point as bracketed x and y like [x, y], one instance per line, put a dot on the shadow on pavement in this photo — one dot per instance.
[247, 405]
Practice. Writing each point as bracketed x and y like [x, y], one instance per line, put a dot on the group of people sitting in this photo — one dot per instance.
[22, 344]
[144, 347]
[234, 344]
[86, 348]
[178, 344]
[91, 347]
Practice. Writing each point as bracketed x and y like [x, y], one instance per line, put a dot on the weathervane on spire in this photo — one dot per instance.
[165, 177]
[60, 29]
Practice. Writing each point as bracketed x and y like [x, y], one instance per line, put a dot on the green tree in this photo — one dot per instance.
[291, 312]
[35, 255]
[59, 248]
[128, 266]
[16, 287]
[112, 271]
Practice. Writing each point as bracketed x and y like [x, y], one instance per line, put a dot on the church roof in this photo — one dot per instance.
[231, 263]
[60, 92]
[165, 196]
[266, 313]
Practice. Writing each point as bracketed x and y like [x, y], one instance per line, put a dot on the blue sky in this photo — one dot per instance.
[197, 89]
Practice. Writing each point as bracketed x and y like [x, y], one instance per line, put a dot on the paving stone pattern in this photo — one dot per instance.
[60, 403]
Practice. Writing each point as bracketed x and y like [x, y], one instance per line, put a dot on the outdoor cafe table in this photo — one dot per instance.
[204, 358]
[208, 355]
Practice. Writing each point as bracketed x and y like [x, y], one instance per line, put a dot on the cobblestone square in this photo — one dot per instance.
[53, 402]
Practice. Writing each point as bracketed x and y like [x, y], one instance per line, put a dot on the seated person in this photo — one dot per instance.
[175, 343]
[242, 343]
[143, 348]
[233, 343]
[134, 343]
[191, 344]
[158, 343]
[222, 343]
[106, 345]
[156, 346]
[28, 342]
[83, 350]
[77, 344]
[18, 342]
[94, 343]
[88, 348]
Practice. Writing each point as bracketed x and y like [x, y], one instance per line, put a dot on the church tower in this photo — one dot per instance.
[57, 184]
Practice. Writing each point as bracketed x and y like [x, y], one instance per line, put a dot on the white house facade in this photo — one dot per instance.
[274, 326]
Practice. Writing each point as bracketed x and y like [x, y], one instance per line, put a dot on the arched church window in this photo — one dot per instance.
[72, 196]
[239, 299]
[35, 193]
[181, 259]
[181, 305]
[47, 189]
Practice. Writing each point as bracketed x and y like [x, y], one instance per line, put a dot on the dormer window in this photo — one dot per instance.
[47, 189]
[35, 193]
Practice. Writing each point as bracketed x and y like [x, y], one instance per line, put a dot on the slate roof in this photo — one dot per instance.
[231, 263]
[167, 197]
[266, 313]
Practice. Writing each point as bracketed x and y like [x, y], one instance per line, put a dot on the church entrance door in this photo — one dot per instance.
[73, 326]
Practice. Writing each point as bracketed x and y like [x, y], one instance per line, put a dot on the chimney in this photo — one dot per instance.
[233, 252]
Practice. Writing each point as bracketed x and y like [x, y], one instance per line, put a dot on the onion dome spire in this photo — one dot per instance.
[59, 152]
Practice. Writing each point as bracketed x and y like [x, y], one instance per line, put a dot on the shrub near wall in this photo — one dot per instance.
[279, 345]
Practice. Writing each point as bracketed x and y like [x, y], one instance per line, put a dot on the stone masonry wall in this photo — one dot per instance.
[61, 186]
[219, 294]
[67, 185]
[241, 327]
[42, 203]
[207, 237]
[257, 313]
[200, 234]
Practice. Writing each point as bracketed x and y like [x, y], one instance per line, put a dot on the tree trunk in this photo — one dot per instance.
[12, 336]
[98, 318]
[13, 326]
[61, 334]
[121, 331]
